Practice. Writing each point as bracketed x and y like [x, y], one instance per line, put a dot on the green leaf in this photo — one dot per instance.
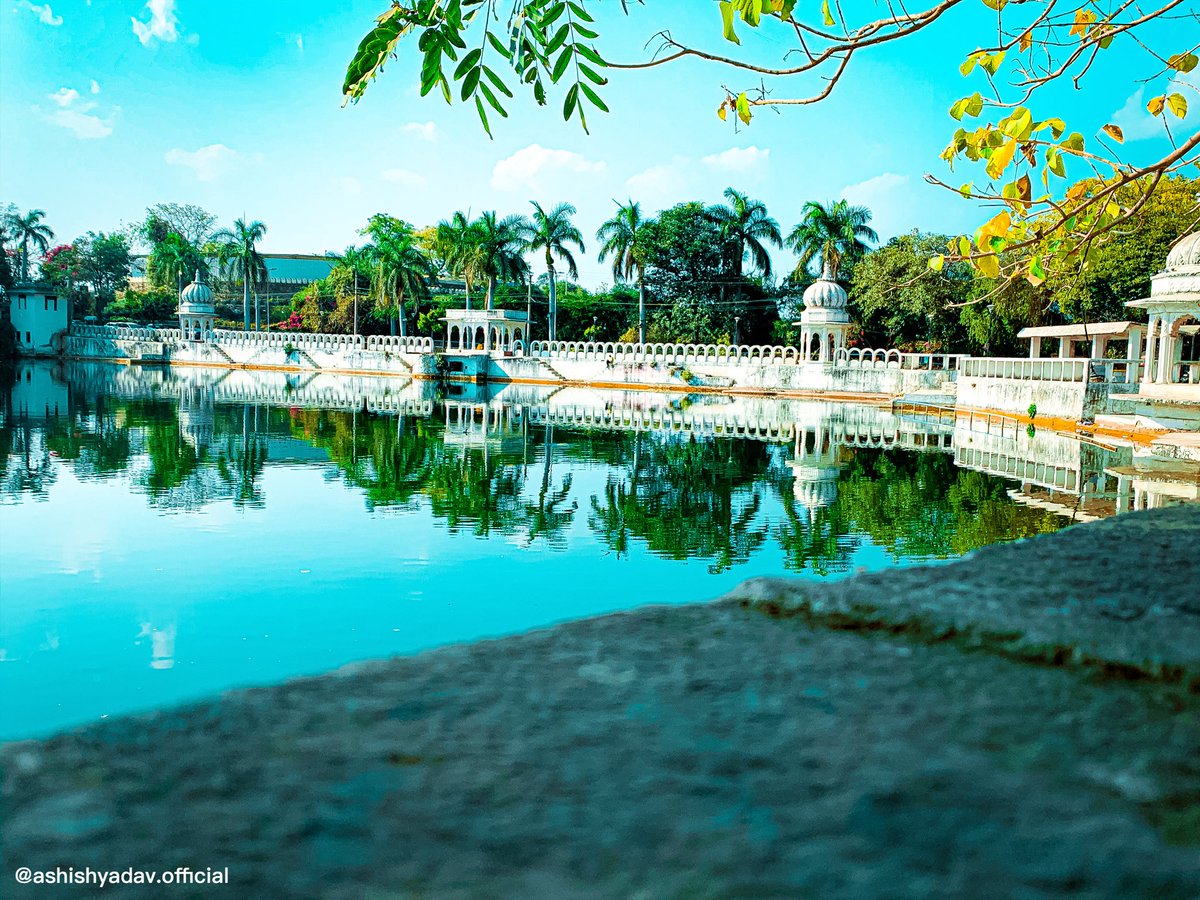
[592, 95]
[727, 21]
[483, 115]
[826, 15]
[1183, 62]
[937, 262]
[1178, 105]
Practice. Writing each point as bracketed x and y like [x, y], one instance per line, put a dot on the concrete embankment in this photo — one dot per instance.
[1021, 723]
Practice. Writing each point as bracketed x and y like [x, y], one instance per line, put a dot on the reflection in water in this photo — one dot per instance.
[170, 533]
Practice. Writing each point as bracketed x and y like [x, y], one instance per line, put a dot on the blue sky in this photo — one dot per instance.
[109, 106]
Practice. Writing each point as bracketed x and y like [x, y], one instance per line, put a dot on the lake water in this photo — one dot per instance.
[167, 535]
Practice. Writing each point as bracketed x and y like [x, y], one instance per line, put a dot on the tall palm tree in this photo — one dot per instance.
[457, 243]
[29, 229]
[401, 267]
[238, 256]
[179, 257]
[622, 236]
[747, 228]
[553, 232]
[834, 234]
[357, 261]
[500, 251]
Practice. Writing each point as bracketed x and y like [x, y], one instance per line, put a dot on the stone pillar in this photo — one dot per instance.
[1065, 346]
[1133, 349]
[1151, 351]
[1035, 348]
[1166, 351]
[1099, 345]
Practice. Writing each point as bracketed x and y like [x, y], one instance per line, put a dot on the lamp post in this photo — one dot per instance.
[737, 322]
[595, 326]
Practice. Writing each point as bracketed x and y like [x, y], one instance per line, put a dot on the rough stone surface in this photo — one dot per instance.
[704, 751]
[1122, 595]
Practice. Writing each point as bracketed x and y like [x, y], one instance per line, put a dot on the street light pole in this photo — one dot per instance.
[737, 322]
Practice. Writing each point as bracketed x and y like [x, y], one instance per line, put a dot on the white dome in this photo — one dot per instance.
[197, 297]
[1185, 254]
[825, 293]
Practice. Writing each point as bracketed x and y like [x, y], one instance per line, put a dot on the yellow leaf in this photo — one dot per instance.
[722, 112]
[996, 227]
[1075, 191]
[1115, 132]
[826, 14]
[1027, 40]
[1000, 158]
[988, 265]
[937, 262]
[1156, 105]
[1177, 104]
[1084, 17]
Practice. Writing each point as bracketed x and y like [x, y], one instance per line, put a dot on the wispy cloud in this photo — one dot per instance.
[1137, 124]
[95, 87]
[405, 177]
[161, 24]
[75, 114]
[423, 131]
[744, 161]
[662, 183]
[527, 168]
[44, 13]
[65, 96]
[207, 163]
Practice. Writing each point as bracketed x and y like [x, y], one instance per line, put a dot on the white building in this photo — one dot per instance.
[1172, 369]
[196, 311]
[825, 323]
[499, 331]
[40, 317]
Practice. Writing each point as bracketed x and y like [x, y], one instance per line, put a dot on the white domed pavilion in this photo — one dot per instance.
[1173, 334]
[197, 313]
[825, 322]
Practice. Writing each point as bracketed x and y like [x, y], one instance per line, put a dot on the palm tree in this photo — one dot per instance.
[28, 229]
[178, 256]
[401, 268]
[357, 261]
[457, 243]
[622, 236]
[746, 227]
[239, 258]
[499, 253]
[553, 232]
[834, 234]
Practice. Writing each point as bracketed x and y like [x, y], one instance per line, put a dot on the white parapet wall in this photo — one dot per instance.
[383, 354]
[1061, 388]
[765, 369]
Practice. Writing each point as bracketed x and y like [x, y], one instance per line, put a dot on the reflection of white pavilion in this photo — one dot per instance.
[815, 468]
[491, 425]
[503, 331]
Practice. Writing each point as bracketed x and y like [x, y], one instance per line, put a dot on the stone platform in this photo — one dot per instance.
[1022, 723]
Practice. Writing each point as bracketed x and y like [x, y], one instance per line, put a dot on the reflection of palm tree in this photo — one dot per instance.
[545, 518]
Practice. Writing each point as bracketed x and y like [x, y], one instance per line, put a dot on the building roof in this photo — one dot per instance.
[1080, 329]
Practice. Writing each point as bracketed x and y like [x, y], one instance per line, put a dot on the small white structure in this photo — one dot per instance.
[502, 331]
[815, 468]
[1173, 344]
[825, 323]
[39, 316]
[1096, 337]
[196, 311]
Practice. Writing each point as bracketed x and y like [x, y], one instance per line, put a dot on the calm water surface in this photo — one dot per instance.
[169, 535]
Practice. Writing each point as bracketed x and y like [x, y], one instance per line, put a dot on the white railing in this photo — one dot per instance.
[1021, 369]
[1116, 371]
[301, 340]
[666, 354]
[117, 332]
[862, 358]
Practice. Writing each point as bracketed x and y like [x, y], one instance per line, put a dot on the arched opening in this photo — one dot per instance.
[1185, 340]
[454, 338]
[479, 338]
[517, 335]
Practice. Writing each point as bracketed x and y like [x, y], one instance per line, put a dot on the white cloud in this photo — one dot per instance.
[65, 96]
[1137, 124]
[660, 184]
[897, 204]
[44, 13]
[207, 164]
[528, 168]
[741, 160]
[348, 184]
[95, 87]
[85, 125]
[300, 42]
[405, 177]
[424, 131]
[161, 24]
